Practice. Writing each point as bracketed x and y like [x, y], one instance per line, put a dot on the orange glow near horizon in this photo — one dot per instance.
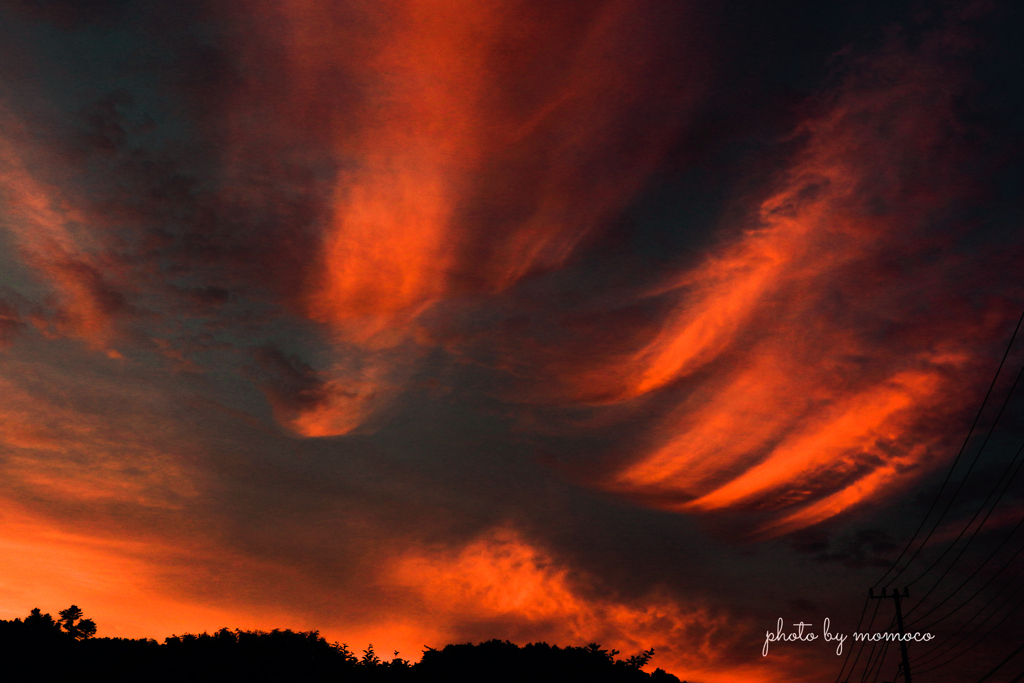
[121, 585]
[500, 576]
[113, 581]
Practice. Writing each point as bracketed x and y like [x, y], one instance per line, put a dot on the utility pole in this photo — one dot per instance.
[899, 622]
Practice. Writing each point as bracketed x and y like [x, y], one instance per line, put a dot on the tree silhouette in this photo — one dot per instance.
[299, 656]
[84, 628]
[41, 624]
[505, 661]
[640, 660]
[370, 657]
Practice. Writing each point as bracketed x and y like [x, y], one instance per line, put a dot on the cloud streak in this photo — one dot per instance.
[458, 171]
[803, 365]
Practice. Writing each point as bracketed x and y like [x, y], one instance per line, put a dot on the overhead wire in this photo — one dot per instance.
[1001, 664]
[860, 650]
[873, 661]
[849, 652]
[988, 436]
[878, 671]
[870, 664]
[995, 627]
[973, 536]
[972, 575]
[1005, 565]
[949, 474]
[941, 649]
[880, 661]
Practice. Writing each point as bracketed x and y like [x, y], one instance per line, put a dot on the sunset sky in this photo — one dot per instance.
[639, 322]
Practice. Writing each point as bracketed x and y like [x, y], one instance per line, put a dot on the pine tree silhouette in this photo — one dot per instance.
[73, 624]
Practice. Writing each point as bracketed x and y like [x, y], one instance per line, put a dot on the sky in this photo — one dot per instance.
[643, 323]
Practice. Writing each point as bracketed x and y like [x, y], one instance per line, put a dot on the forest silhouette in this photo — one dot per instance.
[285, 655]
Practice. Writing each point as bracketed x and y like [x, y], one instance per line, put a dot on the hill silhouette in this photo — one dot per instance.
[284, 655]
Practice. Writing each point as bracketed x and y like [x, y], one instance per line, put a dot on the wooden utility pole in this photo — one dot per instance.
[899, 622]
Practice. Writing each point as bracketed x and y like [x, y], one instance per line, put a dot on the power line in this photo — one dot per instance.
[878, 663]
[973, 536]
[1018, 677]
[874, 661]
[870, 663]
[979, 568]
[949, 474]
[972, 645]
[1001, 664]
[849, 652]
[934, 653]
[881, 660]
[988, 436]
[899, 622]
[860, 651]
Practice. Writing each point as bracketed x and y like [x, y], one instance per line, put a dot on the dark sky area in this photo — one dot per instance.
[417, 321]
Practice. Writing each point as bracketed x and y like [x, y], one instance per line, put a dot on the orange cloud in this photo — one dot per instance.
[477, 143]
[128, 586]
[404, 155]
[438, 116]
[813, 349]
[502, 578]
[54, 237]
[87, 439]
[121, 583]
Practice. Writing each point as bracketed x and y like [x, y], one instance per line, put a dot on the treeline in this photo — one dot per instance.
[288, 655]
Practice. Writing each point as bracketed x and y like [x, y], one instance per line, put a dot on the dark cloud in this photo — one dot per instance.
[862, 548]
[291, 386]
[70, 14]
[11, 323]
